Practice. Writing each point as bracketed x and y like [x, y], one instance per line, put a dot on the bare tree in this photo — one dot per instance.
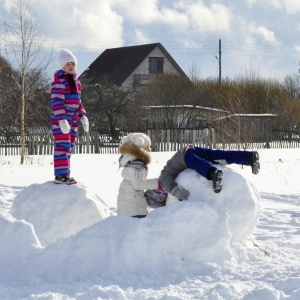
[110, 107]
[37, 108]
[175, 96]
[169, 89]
[194, 73]
[246, 97]
[23, 48]
[292, 84]
[8, 93]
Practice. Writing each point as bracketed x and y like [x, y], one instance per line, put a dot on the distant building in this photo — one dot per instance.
[129, 66]
[180, 116]
[240, 128]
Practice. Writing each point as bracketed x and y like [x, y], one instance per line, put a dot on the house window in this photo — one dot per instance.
[156, 65]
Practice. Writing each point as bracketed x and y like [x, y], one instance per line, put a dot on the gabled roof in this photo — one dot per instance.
[117, 64]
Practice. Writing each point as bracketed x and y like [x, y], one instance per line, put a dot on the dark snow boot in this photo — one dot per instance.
[254, 162]
[64, 180]
[217, 178]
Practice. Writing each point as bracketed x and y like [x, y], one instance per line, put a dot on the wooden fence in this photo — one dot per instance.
[162, 140]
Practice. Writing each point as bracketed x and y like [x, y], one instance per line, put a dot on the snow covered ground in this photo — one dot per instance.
[66, 242]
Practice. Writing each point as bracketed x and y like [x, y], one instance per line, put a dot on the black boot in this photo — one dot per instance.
[254, 162]
[217, 178]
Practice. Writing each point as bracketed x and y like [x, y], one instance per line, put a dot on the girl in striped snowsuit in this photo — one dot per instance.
[67, 110]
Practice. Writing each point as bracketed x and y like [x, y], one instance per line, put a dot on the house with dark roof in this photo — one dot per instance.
[132, 65]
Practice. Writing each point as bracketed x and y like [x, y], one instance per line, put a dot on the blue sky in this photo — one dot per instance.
[259, 37]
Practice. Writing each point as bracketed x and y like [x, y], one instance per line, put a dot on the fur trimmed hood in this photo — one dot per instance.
[135, 152]
[139, 139]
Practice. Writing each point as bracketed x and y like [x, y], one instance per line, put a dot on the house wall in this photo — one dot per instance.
[240, 130]
[180, 117]
[143, 68]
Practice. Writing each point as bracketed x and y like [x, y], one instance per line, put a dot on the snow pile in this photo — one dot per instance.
[201, 248]
[58, 211]
[238, 198]
[183, 234]
[18, 243]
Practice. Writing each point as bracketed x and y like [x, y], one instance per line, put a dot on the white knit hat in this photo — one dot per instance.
[139, 139]
[64, 56]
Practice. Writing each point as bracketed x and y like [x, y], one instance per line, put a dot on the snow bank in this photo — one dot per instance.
[16, 237]
[238, 198]
[177, 237]
[19, 244]
[58, 211]
[176, 252]
[181, 234]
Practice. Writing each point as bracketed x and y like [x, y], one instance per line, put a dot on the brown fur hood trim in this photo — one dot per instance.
[137, 152]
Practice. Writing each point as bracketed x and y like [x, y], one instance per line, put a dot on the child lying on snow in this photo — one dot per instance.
[202, 160]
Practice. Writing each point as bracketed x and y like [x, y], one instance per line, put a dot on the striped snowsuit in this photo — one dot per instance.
[65, 104]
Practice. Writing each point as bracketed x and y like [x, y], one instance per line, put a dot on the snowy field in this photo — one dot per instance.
[66, 242]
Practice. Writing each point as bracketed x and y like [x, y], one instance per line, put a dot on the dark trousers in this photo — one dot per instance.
[201, 159]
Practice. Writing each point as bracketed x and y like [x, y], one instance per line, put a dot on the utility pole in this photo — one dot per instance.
[220, 64]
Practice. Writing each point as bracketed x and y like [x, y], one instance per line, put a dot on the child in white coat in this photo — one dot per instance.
[135, 150]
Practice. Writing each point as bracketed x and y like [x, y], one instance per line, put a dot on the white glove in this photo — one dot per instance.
[180, 193]
[85, 123]
[64, 126]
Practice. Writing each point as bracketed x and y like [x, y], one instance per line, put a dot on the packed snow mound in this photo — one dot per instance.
[238, 198]
[17, 237]
[58, 211]
[177, 238]
[182, 235]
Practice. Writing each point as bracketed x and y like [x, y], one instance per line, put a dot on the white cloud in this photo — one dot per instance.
[290, 6]
[98, 26]
[265, 33]
[8, 5]
[175, 18]
[141, 37]
[90, 25]
[274, 3]
[138, 11]
[187, 28]
[182, 15]
[147, 12]
[208, 19]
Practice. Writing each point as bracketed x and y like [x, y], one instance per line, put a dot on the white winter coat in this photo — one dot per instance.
[131, 200]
